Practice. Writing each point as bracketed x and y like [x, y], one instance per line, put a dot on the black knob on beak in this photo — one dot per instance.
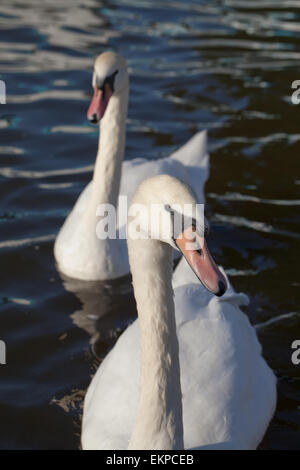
[222, 288]
[93, 118]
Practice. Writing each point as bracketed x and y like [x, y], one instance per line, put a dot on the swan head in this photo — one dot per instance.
[110, 77]
[165, 209]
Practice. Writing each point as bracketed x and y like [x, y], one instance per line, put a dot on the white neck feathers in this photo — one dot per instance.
[159, 419]
[111, 147]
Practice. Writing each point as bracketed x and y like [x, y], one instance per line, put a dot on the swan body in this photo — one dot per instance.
[78, 251]
[223, 394]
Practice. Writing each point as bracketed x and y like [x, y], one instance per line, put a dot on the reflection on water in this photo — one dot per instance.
[106, 310]
[223, 65]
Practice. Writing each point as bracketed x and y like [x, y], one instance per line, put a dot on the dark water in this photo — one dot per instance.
[222, 65]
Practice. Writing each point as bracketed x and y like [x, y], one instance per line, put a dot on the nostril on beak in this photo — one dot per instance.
[222, 288]
[93, 118]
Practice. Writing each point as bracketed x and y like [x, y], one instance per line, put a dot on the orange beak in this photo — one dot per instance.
[99, 104]
[196, 252]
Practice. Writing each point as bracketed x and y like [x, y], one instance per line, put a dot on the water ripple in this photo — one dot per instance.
[27, 241]
[12, 173]
[254, 225]
[245, 197]
[225, 66]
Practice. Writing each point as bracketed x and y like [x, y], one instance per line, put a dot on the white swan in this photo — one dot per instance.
[223, 394]
[78, 251]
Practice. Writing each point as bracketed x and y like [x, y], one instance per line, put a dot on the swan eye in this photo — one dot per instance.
[193, 221]
[109, 80]
[206, 227]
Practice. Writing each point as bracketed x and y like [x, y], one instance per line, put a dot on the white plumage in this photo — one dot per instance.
[228, 390]
[78, 251]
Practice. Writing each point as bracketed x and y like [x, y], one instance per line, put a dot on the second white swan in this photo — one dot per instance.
[79, 251]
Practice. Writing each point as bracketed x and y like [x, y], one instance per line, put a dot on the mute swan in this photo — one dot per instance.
[221, 395]
[78, 252]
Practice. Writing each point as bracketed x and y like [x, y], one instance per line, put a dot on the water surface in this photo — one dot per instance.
[222, 65]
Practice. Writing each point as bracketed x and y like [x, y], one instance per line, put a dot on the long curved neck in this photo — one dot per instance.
[159, 418]
[108, 166]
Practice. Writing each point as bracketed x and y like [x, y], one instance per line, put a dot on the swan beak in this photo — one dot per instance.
[195, 250]
[99, 104]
